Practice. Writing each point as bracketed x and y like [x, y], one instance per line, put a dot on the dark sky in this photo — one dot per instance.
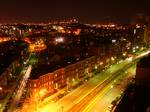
[92, 11]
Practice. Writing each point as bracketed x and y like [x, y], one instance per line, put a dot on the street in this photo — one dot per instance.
[79, 99]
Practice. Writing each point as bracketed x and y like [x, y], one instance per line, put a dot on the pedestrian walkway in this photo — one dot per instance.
[54, 96]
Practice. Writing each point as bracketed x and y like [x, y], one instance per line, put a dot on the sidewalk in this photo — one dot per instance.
[53, 96]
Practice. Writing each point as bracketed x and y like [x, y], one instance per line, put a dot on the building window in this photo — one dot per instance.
[34, 85]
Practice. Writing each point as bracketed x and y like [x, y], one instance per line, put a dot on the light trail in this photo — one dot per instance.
[143, 54]
[23, 84]
[102, 100]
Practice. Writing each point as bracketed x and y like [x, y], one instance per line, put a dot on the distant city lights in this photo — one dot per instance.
[59, 40]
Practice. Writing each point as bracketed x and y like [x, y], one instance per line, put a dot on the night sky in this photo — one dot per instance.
[91, 11]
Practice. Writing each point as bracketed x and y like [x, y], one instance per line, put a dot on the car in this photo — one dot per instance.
[54, 99]
[113, 102]
[110, 107]
[60, 96]
[65, 93]
[118, 98]
[108, 111]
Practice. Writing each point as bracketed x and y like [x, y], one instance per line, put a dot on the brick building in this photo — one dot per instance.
[55, 80]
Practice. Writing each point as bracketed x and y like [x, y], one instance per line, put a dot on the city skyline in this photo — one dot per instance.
[69, 66]
[74, 56]
[86, 11]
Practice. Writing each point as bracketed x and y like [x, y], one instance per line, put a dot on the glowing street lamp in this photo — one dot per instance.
[133, 50]
[96, 67]
[142, 48]
[101, 63]
[59, 40]
[124, 54]
[137, 47]
[112, 58]
[42, 92]
[1, 88]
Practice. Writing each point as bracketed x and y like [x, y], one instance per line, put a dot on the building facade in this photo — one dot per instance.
[68, 76]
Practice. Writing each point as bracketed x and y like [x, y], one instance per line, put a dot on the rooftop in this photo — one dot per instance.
[42, 69]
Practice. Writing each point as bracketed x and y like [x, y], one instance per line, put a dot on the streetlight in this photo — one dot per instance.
[101, 63]
[96, 67]
[1, 88]
[112, 58]
[124, 54]
[137, 47]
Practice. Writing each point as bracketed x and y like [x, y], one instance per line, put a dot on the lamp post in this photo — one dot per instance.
[1, 91]
[1, 88]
